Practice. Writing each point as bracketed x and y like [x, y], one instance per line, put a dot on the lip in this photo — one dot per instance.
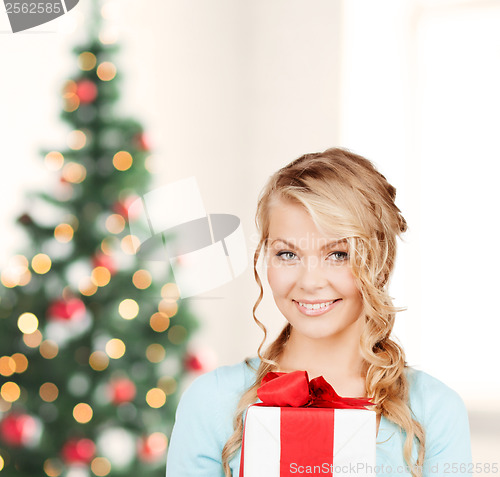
[312, 302]
[319, 311]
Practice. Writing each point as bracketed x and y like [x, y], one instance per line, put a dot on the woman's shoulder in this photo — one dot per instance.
[442, 412]
[430, 397]
[223, 382]
[424, 383]
[204, 419]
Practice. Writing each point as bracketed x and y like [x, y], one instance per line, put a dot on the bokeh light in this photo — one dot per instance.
[177, 334]
[21, 362]
[74, 172]
[54, 160]
[33, 339]
[82, 413]
[71, 103]
[170, 291]
[142, 279]
[86, 286]
[109, 244]
[10, 391]
[79, 383]
[168, 384]
[27, 323]
[49, 392]
[25, 278]
[76, 140]
[100, 276]
[157, 442]
[155, 352]
[9, 279]
[63, 233]
[128, 309]
[98, 360]
[4, 405]
[49, 349]
[100, 466]
[41, 263]
[7, 366]
[159, 322]
[108, 35]
[16, 272]
[106, 71]
[152, 164]
[168, 307]
[53, 467]
[87, 61]
[115, 223]
[115, 348]
[19, 263]
[156, 398]
[130, 244]
[69, 88]
[122, 160]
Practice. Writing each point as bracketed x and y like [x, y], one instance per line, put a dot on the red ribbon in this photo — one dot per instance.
[295, 390]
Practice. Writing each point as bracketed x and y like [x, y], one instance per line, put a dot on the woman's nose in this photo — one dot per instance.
[312, 274]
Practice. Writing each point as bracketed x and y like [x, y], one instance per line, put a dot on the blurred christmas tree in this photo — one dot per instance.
[94, 339]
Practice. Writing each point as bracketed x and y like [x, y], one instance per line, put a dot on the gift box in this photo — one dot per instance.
[305, 428]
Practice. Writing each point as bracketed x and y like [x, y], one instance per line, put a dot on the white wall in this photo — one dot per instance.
[421, 99]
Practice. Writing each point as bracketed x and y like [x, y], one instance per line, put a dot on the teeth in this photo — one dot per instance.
[316, 306]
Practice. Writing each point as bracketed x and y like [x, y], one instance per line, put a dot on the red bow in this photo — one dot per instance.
[295, 390]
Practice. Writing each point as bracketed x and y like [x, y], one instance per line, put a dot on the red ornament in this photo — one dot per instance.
[123, 208]
[103, 260]
[71, 309]
[121, 391]
[152, 448]
[142, 142]
[86, 91]
[17, 429]
[78, 451]
[200, 360]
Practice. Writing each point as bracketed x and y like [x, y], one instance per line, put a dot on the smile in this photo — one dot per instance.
[316, 308]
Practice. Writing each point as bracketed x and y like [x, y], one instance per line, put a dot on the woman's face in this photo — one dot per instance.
[304, 266]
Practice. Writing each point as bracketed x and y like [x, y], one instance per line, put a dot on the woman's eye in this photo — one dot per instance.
[340, 256]
[288, 256]
[281, 254]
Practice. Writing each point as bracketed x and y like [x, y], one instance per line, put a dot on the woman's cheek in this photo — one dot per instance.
[345, 281]
[272, 276]
[279, 279]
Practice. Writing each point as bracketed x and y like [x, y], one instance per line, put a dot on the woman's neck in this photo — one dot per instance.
[337, 359]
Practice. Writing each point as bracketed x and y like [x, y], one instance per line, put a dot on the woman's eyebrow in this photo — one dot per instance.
[326, 246]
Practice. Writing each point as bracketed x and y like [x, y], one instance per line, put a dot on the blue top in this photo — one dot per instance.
[205, 413]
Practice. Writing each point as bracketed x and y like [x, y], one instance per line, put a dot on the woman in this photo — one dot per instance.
[328, 227]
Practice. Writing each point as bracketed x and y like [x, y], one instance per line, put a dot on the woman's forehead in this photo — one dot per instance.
[293, 223]
[307, 241]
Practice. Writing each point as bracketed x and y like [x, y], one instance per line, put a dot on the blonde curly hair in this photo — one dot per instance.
[345, 194]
